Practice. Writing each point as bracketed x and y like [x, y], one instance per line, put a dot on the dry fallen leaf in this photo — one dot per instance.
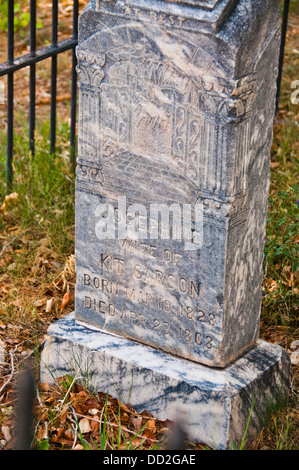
[6, 433]
[95, 426]
[43, 432]
[149, 435]
[137, 422]
[78, 447]
[81, 396]
[125, 408]
[291, 280]
[49, 305]
[49, 400]
[12, 341]
[40, 303]
[63, 415]
[294, 344]
[84, 425]
[66, 299]
[69, 434]
[125, 417]
[45, 387]
[137, 442]
[273, 286]
[5, 260]
[91, 402]
[9, 200]
[63, 441]
[44, 416]
[151, 424]
[295, 358]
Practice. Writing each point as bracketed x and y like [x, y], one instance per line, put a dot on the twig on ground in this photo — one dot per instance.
[11, 374]
[76, 427]
[114, 425]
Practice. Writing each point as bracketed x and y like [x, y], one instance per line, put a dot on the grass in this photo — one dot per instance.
[91, 421]
[280, 303]
[281, 245]
[37, 239]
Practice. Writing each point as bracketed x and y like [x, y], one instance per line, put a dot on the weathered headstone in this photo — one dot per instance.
[175, 127]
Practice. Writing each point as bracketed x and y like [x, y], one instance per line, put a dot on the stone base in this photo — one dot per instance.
[212, 404]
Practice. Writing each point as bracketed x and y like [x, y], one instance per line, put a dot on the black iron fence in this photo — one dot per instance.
[37, 55]
[285, 15]
[29, 60]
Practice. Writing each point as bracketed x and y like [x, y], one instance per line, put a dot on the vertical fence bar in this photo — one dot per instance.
[53, 78]
[32, 77]
[282, 47]
[33, 57]
[10, 59]
[74, 86]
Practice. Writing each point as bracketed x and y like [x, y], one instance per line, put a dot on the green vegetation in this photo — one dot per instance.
[45, 189]
[21, 18]
[36, 230]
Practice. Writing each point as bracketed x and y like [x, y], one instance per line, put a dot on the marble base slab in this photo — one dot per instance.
[213, 404]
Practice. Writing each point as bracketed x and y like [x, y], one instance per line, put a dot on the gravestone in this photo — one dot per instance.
[176, 107]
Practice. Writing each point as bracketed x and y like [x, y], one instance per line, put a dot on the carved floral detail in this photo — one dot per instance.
[90, 68]
[224, 98]
[90, 174]
[236, 208]
[217, 209]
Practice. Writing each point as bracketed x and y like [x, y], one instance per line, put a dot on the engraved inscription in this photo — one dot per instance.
[158, 326]
[155, 17]
[157, 298]
[170, 16]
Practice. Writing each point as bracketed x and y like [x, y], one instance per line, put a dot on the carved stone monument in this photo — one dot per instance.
[176, 112]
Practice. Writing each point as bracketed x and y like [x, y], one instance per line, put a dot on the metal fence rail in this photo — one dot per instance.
[285, 15]
[30, 60]
[37, 55]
